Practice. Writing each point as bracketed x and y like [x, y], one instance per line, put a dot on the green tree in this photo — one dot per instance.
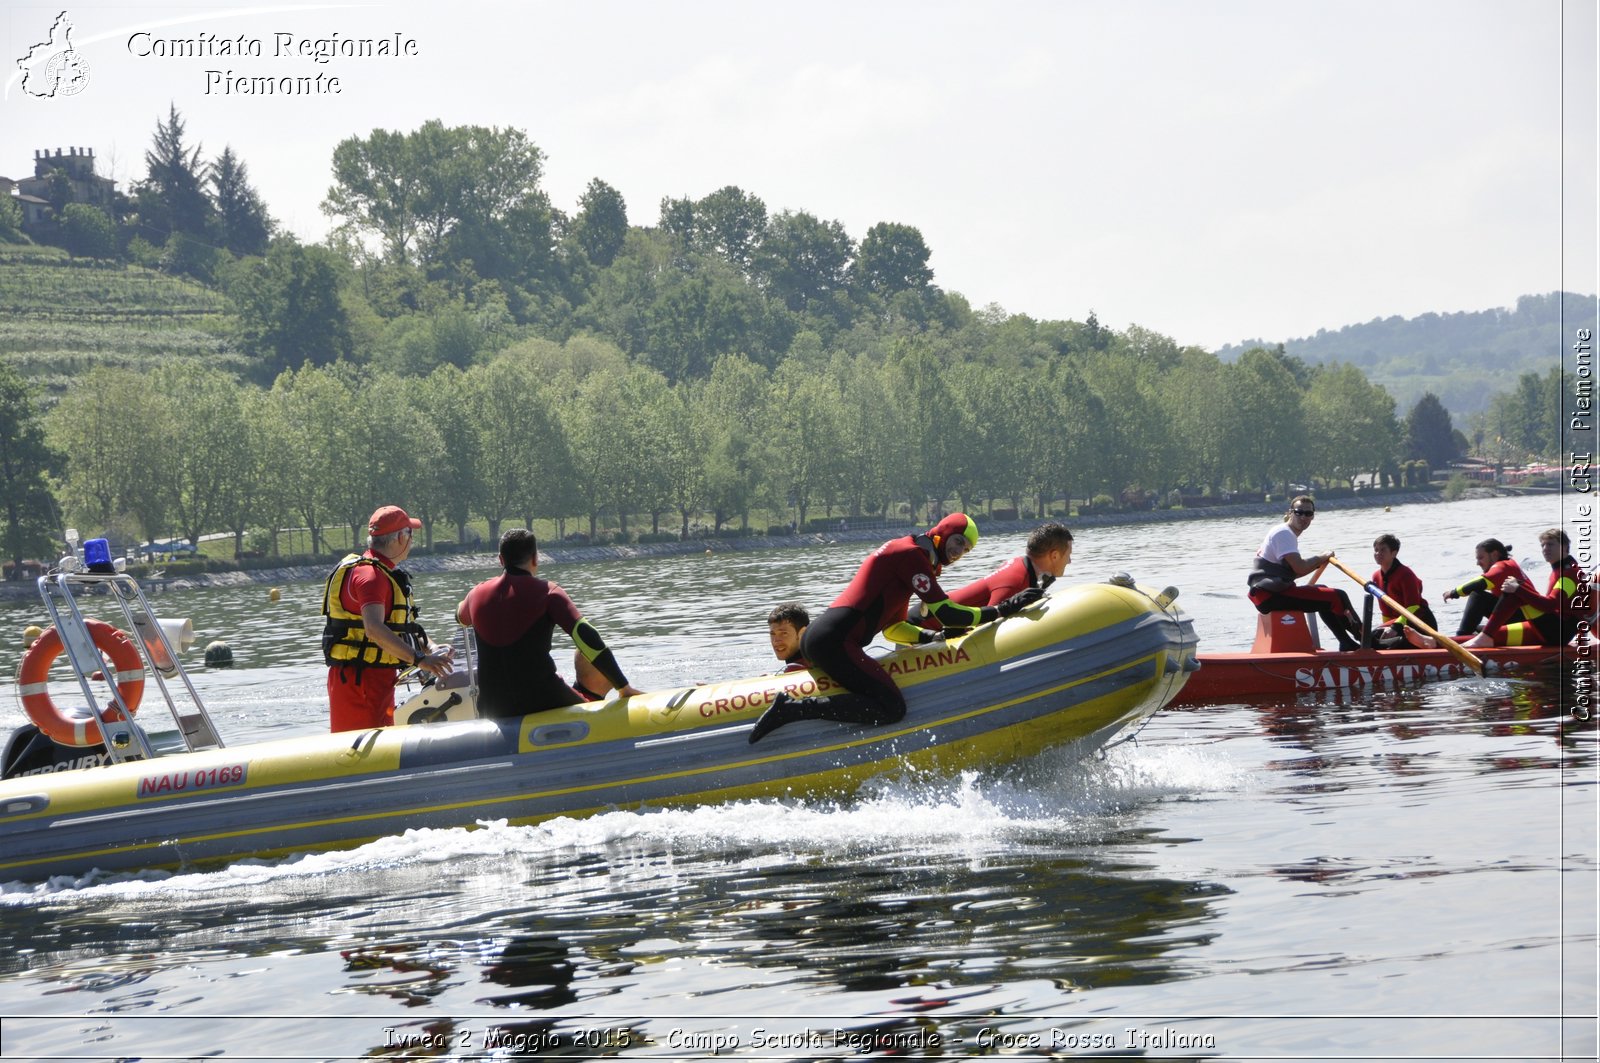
[1528, 416]
[243, 225]
[601, 227]
[379, 192]
[88, 232]
[728, 415]
[11, 222]
[86, 426]
[522, 452]
[443, 194]
[805, 263]
[644, 420]
[1134, 446]
[119, 436]
[675, 441]
[309, 426]
[252, 494]
[1069, 437]
[729, 223]
[1429, 433]
[893, 258]
[417, 344]
[152, 439]
[872, 443]
[191, 256]
[924, 410]
[1351, 423]
[806, 414]
[32, 519]
[1268, 397]
[450, 487]
[622, 295]
[211, 457]
[371, 403]
[172, 197]
[697, 317]
[979, 416]
[1195, 409]
[289, 308]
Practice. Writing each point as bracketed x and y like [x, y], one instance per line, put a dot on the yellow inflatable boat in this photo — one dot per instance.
[1078, 668]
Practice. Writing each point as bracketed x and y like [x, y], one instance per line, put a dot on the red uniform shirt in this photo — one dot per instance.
[1401, 584]
[1494, 576]
[882, 588]
[1013, 576]
[365, 585]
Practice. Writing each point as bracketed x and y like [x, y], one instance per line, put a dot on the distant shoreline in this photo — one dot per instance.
[563, 553]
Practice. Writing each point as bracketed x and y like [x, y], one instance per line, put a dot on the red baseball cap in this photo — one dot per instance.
[389, 519]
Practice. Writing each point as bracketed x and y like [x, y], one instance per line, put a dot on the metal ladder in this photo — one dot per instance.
[124, 740]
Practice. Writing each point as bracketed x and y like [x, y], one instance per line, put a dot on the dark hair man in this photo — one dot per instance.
[515, 615]
[1048, 553]
[786, 626]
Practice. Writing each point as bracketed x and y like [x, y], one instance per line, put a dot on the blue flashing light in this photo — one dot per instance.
[97, 556]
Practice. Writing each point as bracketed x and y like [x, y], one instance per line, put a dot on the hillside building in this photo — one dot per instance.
[33, 193]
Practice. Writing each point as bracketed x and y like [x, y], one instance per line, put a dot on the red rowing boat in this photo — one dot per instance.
[1285, 661]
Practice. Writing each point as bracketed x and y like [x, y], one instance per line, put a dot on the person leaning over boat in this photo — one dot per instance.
[876, 601]
[1524, 617]
[1399, 582]
[1045, 560]
[1482, 593]
[514, 616]
[1278, 564]
[371, 631]
[786, 626]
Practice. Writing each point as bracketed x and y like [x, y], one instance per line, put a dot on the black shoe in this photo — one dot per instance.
[778, 713]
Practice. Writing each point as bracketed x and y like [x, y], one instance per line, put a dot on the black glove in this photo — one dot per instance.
[931, 636]
[1020, 600]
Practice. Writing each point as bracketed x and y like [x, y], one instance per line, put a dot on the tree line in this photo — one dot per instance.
[461, 345]
[578, 434]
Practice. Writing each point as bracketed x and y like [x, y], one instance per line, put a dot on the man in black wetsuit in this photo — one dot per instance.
[515, 614]
[876, 600]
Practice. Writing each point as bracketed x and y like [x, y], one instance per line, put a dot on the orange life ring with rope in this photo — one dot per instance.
[75, 729]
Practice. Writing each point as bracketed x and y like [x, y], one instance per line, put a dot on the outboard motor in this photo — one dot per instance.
[29, 752]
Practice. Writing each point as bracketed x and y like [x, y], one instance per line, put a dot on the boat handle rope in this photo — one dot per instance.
[370, 737]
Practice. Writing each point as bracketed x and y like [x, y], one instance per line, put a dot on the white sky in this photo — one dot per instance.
[1215, 170]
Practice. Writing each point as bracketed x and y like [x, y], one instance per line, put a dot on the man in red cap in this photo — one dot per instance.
[371, 631]
[876, 600]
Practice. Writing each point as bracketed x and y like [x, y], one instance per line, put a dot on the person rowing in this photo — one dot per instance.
[1521, 615]
[876, 601]
[1402, 586]
[1278, 564]
[1482, 592]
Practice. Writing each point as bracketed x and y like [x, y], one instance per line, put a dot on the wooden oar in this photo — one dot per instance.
[1458, 651]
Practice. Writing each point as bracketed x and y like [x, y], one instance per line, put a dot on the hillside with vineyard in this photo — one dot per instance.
[65, 315]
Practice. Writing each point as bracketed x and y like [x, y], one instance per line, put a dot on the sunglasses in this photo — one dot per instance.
[1304, 512]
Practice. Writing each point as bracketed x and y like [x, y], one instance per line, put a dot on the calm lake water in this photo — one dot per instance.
[1389, 875]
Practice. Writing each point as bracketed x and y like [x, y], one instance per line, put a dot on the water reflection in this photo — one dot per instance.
[1327, 728]
[612, 923]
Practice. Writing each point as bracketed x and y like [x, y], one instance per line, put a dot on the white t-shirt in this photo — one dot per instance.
[1279, 541]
